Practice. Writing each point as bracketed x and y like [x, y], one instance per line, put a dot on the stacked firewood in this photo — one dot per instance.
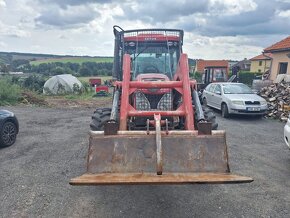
[278, 97]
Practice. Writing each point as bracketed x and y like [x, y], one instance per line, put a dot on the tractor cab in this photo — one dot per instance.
[151, 52]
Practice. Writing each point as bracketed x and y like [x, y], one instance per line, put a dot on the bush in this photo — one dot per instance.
[9, 93]
[87, 86]
[197, 76]
[248, 77]
[77, 89]
[34, 83]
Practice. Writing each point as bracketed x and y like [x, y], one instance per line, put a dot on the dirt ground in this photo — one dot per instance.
[51, 148]
[61, 102]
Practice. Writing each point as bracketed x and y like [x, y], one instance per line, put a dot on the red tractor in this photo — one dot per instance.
[156, 130]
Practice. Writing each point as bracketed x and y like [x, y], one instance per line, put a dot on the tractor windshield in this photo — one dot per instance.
[152, 57]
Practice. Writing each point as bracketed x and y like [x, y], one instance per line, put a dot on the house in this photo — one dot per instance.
[280, 57]
[261, 63]
[221, 65]
[232, 63]
[244, 65]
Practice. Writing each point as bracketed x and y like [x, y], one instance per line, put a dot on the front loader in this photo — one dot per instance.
[156, 131]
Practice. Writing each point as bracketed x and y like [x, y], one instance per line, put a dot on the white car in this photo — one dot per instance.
[287, 132]
[233, 98]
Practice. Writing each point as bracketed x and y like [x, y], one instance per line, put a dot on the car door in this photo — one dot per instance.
[217, 96]
[210, 95]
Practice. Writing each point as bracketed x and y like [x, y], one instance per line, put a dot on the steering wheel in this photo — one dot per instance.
[151, 69]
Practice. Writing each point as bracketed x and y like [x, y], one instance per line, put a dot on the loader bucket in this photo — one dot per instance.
[131, 157]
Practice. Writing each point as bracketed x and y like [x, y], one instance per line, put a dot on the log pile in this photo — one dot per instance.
[278, 97]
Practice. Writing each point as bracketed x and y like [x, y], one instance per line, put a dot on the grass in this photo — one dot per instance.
[78, 60]
[10, 94]
[83, 96]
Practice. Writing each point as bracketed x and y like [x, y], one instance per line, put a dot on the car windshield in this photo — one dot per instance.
[236, 89]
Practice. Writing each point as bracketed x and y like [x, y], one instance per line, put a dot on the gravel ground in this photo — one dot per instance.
[51, 148]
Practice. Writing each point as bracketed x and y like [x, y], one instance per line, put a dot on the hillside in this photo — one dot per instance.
[9, 57]
[78, 60]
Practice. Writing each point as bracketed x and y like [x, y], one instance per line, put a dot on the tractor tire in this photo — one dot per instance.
[99, 118]
[209, 116]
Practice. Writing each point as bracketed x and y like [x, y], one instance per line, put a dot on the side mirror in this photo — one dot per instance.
[218, 92]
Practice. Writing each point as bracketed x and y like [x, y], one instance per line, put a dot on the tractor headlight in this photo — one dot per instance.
[142, 103]
[238, 102]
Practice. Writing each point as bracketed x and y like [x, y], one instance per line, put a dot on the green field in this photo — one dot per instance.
[78, 60]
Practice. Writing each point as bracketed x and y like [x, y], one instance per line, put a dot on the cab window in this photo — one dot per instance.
[218, 89]
[211, 88]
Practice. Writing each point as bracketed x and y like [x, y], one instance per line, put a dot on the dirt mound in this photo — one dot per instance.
[31, 98]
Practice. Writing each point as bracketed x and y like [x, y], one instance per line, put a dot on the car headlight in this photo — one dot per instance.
[238, 102]
[263, 102]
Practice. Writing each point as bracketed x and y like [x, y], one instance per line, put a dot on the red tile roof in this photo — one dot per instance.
[201, 64]
[266, 56]
[279, 46]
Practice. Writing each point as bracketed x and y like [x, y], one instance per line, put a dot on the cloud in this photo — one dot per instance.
[158, 12]
[3, 45]
[284, 13]
[259, 17]
[231, 7]
[12, 31]
[65, 3]
[213, 28]
[70, 17]
[2, 4]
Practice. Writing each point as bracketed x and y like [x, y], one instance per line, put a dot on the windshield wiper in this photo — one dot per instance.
[141, 52]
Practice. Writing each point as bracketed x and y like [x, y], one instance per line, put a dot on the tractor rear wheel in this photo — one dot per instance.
[99, 118]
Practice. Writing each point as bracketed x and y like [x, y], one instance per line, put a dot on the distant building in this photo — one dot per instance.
[244, 65]
[280, 57]
[217, 64]
[261, 63]
[232, 63]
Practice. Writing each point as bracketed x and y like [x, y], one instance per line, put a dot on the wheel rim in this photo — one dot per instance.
[9, 133]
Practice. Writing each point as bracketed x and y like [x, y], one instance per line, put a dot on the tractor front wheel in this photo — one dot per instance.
[99, 118]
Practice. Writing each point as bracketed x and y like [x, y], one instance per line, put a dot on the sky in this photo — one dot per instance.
[214, 29]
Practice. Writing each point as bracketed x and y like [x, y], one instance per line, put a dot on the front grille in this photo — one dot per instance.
[252, 102]
[146, 102]
[153, 99]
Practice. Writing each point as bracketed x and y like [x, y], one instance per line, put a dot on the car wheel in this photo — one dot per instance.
[8, 134]
[225, 111]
